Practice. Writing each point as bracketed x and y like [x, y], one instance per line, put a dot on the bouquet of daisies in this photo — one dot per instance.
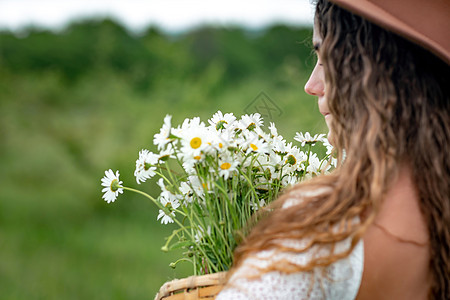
[214, 176]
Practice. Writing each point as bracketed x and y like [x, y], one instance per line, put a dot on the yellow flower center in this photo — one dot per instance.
[221, 124]
[197, 157]
[225, 166]
[254, 147]
[291, 159]
[220, 145]
[196, 142]
[251, 127]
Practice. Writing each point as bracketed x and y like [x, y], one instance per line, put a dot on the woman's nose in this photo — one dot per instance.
[315, 85]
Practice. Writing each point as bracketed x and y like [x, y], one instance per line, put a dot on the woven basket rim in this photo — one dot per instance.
[191, 282]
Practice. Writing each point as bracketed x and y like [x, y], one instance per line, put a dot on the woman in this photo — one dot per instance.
[378, 227]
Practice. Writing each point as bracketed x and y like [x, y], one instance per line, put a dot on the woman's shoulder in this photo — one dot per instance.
[397, 247]
[393, 268]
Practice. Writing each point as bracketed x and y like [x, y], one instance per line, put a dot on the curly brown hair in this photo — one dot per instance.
[390, 104]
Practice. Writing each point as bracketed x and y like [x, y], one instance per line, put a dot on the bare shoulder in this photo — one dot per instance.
[393, 269]
[396, 249]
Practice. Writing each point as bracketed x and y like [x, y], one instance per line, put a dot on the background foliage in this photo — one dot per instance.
[77, 102]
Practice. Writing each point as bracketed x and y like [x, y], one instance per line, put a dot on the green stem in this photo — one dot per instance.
[154, 201]
[143, 194]
[174, 264]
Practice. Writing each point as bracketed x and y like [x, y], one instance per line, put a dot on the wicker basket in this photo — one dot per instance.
[194, 287]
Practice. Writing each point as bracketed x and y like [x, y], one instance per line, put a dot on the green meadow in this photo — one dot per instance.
[85, 99]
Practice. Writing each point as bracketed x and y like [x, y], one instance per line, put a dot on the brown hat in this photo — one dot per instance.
[425, 22]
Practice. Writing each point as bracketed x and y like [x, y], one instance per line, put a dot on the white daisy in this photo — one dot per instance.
[220, 122]
[166, 154]
[307, 138]
[333, 161]
[274, 159]
[170, 204]
[187, 191]
[279, 144]
[165, 218]
[162, 138]
[301, 159]
[195, 141]
[289, 180]
[258, 146]
[291, 162]
[314, 165]
[327, 144]
[227, 166]
[196, 186]
[190, 160]
[201, 186]
[112, 186]
[169, 201]
[145, 166]
[293, 158]
[256, 205]
[269, 164]
[201, 233]
[251, 122]
[262, 134]
[166, 193]
[187, 124]
[273, 129]
[195, 138]
[220, 140]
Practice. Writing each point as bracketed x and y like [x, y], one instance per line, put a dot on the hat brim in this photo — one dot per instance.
[426, 23]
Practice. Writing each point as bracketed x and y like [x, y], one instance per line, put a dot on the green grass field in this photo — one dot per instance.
[58, 238]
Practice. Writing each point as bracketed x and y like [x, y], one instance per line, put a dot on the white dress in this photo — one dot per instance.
[341, 282]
